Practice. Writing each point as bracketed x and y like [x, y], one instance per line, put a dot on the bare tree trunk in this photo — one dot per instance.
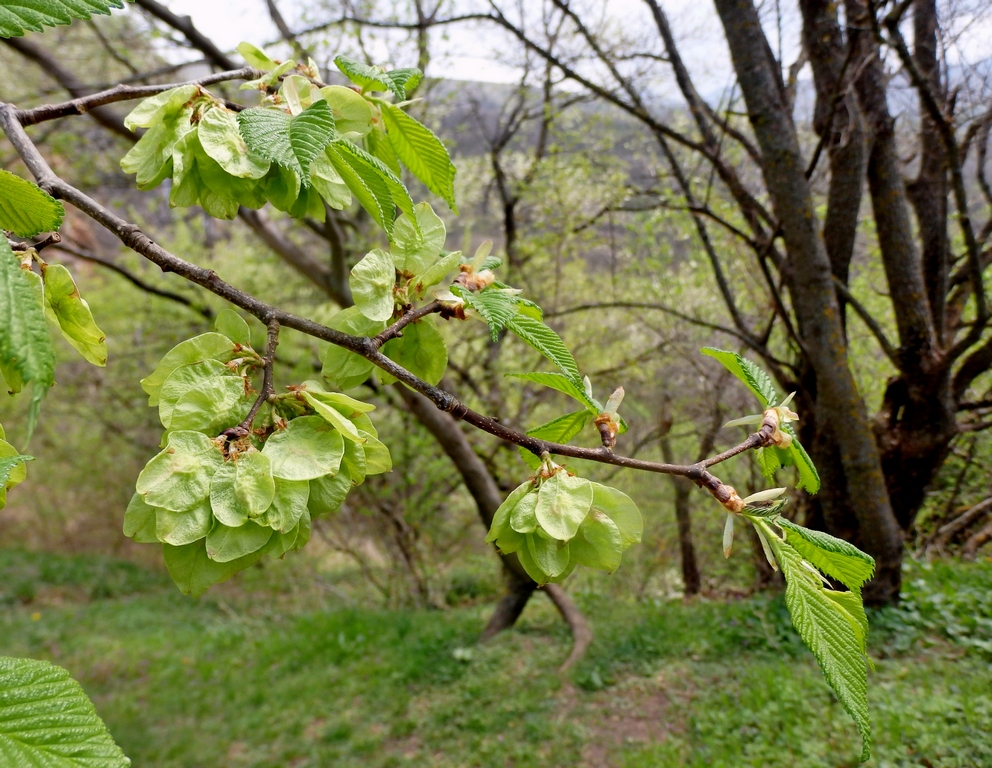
[487, 495]
[812, 290]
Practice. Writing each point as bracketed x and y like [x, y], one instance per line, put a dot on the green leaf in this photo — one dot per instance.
[47, 721]
[295, 538]
[327, 182]
[563, 501]
[352, 113]
[378, 146]
[8, 465]
[229, 323]
[20, 16]
[550, 556]
[159, 107]
[598, 543]
[16, 471]
[833, 633]
[523, 517]
[377, 458]
[437, 271]
[421, 151]
[242, 488]
[421, 350]
[559, 430]
[835, 557]
[328, 492]
[212, 406]
[182, 380]
[376, 177]
[349, 406]
[751, 375]
[545, 341]
[179, 528]
[178, 478]
[289, 504]
[497, 307]
[528, 562]
[293, 142]
[353, 462]
[207, 346]
[73, 315]
[501, 518]
[139, 521]
[26, 354]
[564, 384]
[621, 509]
[25, 208]
[418, 240]
[222, 142]
[225, 544]
[342, 368]
[194, 572]
[256, 57]
[371, 78]
[306, 449]
[809, 478]
[372, 280]
[334, 417]
[768, 461]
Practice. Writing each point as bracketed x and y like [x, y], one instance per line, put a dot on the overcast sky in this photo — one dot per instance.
[475, 52]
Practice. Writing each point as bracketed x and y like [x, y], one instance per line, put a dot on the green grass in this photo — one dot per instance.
[266, 673]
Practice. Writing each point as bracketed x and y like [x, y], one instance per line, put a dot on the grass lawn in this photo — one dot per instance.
[256, 675]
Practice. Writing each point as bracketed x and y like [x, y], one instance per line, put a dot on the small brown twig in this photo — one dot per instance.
[84, 104]
[268, 388]
[410, 316]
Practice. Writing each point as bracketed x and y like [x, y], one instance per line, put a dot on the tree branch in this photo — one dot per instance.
[84, 104]
[268, 388]
[135, 239]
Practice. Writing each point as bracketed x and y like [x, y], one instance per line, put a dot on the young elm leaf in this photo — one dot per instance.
[328, 492]
[207, 346]
[333, 417]
[620, 508]
[308, 448]
[72, 315]
[194, 572]
[421, 350]
[835, 557]
[139, 521]
[501, 518]
[226, 544]
[550, 556]
[563, 501]
[179, 528]
[25, 208]
[755, 379]
[371, 281]
[833, 633]
[289, 504]
[598, 543]
[418, 239]
[178, 478]
[242, 489]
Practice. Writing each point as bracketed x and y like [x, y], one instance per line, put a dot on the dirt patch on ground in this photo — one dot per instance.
[638, 710]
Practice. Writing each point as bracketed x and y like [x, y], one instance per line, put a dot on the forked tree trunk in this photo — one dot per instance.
[810, 283]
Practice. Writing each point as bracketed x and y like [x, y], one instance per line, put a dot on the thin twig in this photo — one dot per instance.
[411, 316]
[84, 104]
[268, 387]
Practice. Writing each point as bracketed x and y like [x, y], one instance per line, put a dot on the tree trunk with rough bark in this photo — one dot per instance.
[811, 286]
